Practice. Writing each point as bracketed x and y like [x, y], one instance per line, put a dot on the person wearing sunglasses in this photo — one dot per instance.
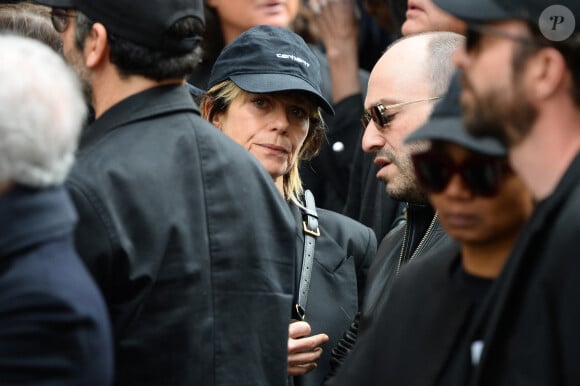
[521, 66]
[185, 233]
[410, 76]
[483, 205]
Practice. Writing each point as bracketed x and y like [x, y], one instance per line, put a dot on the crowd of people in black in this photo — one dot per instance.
[187, 196]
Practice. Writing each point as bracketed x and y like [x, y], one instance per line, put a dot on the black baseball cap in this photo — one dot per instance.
[267, 59]
[144, 22]
[546, 14]
[446, 124]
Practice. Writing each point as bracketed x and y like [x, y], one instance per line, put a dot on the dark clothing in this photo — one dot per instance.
[531, 330]
[342, 257]
[54, 326]
[367, 200]
[190, 242]
[416, 329]
[327, 174]
[417, 236]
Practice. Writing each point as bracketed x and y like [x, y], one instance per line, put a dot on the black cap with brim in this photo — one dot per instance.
[267, 59]
[446, 124]
[273, 83]
[474, 11]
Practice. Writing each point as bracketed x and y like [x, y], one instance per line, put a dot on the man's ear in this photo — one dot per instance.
[96, 46]
[547, 72]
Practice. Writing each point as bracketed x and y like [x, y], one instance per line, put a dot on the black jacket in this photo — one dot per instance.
[190, 242]
[54, 325]
[531, 330]
[416, 330]
[413, 238]
[342, 256]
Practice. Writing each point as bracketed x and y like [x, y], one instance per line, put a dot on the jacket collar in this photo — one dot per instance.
[29, 216]
[146, 104]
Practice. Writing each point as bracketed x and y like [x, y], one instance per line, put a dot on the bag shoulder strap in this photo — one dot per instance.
[311, 232]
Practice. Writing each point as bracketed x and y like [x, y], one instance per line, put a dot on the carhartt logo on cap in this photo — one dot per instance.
[294, 58]
[557, 23]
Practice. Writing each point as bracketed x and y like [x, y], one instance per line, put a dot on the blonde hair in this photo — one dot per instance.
[219, 98]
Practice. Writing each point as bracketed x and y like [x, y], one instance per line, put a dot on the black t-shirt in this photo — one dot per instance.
[458, 367]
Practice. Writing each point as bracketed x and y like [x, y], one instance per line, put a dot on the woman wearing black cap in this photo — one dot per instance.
[264, 93]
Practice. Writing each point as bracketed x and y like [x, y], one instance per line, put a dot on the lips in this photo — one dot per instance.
[382, 162]
[459, 220]
[275, 148]
[412, 6]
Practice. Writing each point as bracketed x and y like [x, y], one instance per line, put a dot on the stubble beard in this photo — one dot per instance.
[495, 115]
[404, 187]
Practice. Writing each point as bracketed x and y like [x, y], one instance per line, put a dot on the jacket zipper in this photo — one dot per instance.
[421, 243]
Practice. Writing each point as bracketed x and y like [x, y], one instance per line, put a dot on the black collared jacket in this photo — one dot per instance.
[190, 242]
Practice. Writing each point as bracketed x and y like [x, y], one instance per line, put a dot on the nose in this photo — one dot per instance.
[456, 188]
[280, 120]
[372, 140]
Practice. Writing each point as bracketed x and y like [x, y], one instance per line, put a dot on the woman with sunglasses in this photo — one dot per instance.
[416, 338]
[264, 93]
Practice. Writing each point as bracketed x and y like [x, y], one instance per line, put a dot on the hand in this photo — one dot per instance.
[337, 24]
[303, 350]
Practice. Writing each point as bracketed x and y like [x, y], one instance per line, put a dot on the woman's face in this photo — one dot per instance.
[272, 127]
[237, 16]
[473, 219]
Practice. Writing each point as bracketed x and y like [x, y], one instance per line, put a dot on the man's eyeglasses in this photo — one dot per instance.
[476, 31]
[481, 175]
[378, 112]
[60, 19]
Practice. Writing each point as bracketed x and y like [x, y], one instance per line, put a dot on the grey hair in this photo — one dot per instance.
[439, 65]
[41, 113]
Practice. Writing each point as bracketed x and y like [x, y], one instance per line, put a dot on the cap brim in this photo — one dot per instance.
[272, 83]
[477, 11]
[451, 129]
[57, 3]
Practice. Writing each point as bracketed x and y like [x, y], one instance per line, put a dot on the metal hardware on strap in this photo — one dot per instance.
[314, 233]
[311, 231]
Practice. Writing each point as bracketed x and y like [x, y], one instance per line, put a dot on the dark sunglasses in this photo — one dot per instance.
[60, 19]
[379, 112]
[481, 175]
[475, 32]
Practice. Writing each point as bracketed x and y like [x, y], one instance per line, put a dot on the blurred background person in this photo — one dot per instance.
[424, 16]
[54, 325]
[270, 105]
